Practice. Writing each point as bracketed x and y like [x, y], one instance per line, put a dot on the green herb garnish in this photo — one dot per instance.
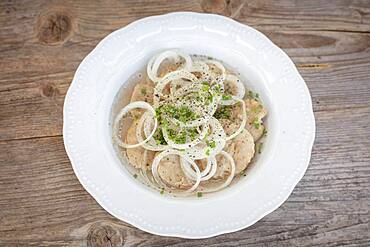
[264, 132]
[182, 136]
[217, 89]
[158, 137]
[205, 86]
[252, 95]
[256, 123]
[199, 194]
[257, 109]
[192, 133]
[226, 97]
[135, 175]
[223, 112]
[211, 144]
[182, 113]
[162, 191]
[259, 147]
[177, 137]
[158, 112]
[143, 91]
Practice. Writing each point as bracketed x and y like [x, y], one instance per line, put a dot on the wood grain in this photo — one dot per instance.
[332, 199]
[42, 43]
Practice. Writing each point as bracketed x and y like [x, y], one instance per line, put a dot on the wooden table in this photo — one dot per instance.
[41, 44]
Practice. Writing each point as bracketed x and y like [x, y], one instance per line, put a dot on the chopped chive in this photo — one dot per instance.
[208, 152]
[259, 147]
[253, 95]
[223, 112]
[157, 112]
[250, 94]
[162, 191]
[199, 194]
[257, 109]
[217, 88]
[209, 99]
[182, 113]
[256, 123]
[205, 86]
[158, 137]
[264, 133]
[226, 97]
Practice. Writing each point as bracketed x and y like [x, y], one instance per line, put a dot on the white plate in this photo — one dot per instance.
[266, 69]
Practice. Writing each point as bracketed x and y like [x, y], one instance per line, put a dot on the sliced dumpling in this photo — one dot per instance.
[242, 149]
[138, 157]
[170, 171]
[230, 117]
[255, 113]
[142, 92]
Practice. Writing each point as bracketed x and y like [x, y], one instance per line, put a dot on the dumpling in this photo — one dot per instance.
[255, 113]
[171, 173]
[142, 92]
[138, 157]
[242, 149]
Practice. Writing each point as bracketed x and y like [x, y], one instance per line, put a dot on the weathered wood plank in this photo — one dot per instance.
[339, 15]
[330, 205]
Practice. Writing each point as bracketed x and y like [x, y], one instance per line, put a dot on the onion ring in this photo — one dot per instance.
[156, 61]
[244, 120]
[122, 113]
[163, 154]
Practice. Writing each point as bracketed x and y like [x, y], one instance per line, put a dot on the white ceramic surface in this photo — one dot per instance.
[264, 67]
